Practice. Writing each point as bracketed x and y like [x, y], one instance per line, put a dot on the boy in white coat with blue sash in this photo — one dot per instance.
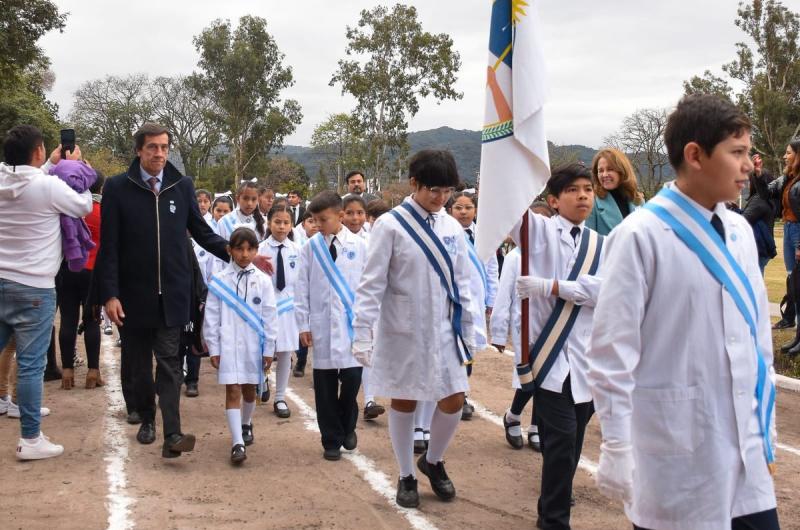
[330, 269]
[416, 289]
[681, 357]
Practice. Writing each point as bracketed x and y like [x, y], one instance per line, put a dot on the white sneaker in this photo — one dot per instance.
[13, 410]
[38, 449]
[4, 404]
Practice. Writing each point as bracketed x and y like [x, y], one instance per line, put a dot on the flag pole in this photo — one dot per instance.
[524, 339]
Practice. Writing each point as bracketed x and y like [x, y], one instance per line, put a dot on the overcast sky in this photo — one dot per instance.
[604, 58]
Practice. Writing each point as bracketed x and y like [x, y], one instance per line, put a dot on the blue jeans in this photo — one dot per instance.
[791, 241]
[28, 313]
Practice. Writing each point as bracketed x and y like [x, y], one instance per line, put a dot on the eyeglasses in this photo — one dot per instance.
[438, 192]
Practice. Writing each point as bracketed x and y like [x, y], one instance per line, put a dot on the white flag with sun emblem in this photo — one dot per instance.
[515, 165]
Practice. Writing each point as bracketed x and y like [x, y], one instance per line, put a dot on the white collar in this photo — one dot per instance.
[566, 225]
[719, 208]
[271, 241]
[422, 211]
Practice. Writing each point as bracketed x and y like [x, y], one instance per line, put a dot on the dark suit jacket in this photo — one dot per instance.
[300, 214]
[144, 251]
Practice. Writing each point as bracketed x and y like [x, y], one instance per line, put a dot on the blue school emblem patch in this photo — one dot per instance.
[351, 254]
[202, 253]
[292, 264]
[450, 245]
[733, 236]
[256, 300]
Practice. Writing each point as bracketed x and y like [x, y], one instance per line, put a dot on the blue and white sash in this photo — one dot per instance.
[548, 345]
[285, 305]
[335, 277]
[478, 264]
[699, 235]
[430, 244]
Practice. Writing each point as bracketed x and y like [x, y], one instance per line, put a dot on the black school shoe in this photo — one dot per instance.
[134, 418]
[466, 411]
[514, 441]
[175, 444]
[238, 454]
[350, 441]
[192, 390]
[783, 324]
[534, 442]
[247, 434]
[373, 410]
[147, 433]
[441, 484]
[407, 494]
[332, 454]
[419, 445]
[265, 394]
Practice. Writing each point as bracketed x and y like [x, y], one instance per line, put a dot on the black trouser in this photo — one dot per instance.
[302, 356]
[138, 347]
[337, 408]
[71, 295]
[192, 374]
[562, 424]
[52, 364]
[767, 520]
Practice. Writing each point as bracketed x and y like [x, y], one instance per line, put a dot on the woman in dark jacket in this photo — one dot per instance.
[760, 213]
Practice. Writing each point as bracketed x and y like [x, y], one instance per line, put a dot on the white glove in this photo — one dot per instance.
[615, 472]
[362, 346]
[533, 287]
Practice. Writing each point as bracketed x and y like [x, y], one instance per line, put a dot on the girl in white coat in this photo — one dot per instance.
[245, 214]
[240, 331]
[419, 340]
[284, 255]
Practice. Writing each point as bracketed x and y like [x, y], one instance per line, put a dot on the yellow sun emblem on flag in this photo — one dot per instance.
[518, 10]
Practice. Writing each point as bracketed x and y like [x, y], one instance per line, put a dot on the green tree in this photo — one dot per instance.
[242, 71]
[391, 63]
[284, 174]
[23, 101]
[768, 70]
[22, 23]
[708, 83]
[339, 141]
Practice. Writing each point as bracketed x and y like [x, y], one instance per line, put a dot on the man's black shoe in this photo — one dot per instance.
[440, 483]
[192, 390]
[332, 454]
[299, 371]
[175, 444]
[350, 441]
[134, 418]
[247, 434]
[783, 324]
[407, 494]
[147, 433]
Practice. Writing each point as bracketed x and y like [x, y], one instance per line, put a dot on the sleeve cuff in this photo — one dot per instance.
[616, 430]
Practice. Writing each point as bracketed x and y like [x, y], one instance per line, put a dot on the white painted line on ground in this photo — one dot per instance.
[118, 502]
[789, 449]
[584, 463]
[376, 479]
[788, 383]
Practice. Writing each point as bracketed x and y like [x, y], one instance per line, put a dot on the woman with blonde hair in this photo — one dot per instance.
[615, 191]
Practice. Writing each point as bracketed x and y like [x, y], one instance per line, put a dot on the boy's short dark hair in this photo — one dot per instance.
[324, 200]
[434, 167]
[201, 191]
[354, 198]
[264, 189]
[150, 129]
[295, 192]
[352, 174]
[20, 143]
[377, 207]
[243, 234]
[97, 187]
[564, 175]
[704, 119]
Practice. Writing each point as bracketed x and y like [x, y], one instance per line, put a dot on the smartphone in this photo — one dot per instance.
[67, 141]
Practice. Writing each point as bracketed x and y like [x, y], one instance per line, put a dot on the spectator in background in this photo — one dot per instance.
[356, 186]
[295, 199]
[615, 191]
[760, 213]
[30, 255]
[266, 196]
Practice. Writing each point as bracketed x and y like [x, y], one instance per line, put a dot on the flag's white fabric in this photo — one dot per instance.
[514, 162]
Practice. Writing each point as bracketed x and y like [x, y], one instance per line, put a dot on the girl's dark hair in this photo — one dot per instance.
[794, 171]
[222, 198]
[306, 215]
[97, 187]
[200, 191]
[471, 196]
[377, 207]
[262, 232]
[276, 210]
[434, 167]
[354, 198]
[242, 235]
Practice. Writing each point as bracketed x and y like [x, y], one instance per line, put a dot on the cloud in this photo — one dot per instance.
[604, 59]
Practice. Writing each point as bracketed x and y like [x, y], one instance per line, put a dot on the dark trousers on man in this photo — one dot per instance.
[335, 398]
[562, 424]
[192, 373]
[767, 520]
[139, 345]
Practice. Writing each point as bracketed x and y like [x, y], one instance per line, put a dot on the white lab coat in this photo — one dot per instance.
[415, 355]
[234, 220]
[492, 276]
[300, 236]
[317, 306]
[673, 372]
[481, 294]
[230, 338]
[552, 253]
[507, 315]
[288, 335]
[203, 257]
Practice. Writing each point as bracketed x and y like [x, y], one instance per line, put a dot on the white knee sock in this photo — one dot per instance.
[247, 411]
[425, 410]
[284, 359]
[443, 428]
[235, 425]
[365, 384]
[401, 431]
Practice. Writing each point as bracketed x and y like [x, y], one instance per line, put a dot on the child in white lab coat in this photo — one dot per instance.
[331, 264]
[240, 331]
[302, 232]
[424, 332]
[246, 213]
[685, 393]
[285, 257]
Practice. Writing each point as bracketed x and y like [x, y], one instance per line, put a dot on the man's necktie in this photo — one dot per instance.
[332, 248]
[716, 222]
[574, 232]
[280, 273]
[471, 236]
[153, 183]
[294, 214]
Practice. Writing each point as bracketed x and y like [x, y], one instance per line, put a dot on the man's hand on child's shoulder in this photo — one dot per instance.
[215, 361]
[305, 339]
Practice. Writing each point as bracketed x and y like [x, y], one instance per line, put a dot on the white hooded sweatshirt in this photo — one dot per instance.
[30, 230]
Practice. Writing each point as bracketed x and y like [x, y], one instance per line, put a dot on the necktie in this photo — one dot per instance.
[294, 214]
[153, 183]
[243, 274]
[716, 222]
[332, 248]
[574, 232]
[470, 236]
[280, 274]
[431, 220]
